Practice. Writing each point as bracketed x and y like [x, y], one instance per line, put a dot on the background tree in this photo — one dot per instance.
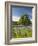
[24, 20]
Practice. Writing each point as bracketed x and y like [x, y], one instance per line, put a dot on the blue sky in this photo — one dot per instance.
[17, 11]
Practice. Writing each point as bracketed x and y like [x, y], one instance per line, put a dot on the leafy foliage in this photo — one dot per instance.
[24, 20]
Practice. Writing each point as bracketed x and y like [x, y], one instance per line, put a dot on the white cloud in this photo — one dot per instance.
[30, 19]
[15, 18]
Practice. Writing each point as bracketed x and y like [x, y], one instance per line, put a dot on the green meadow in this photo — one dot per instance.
[21, 32]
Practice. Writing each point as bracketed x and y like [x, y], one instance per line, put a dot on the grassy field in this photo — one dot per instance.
[21, 32]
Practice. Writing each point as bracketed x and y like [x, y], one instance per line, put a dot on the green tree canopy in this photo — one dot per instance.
[24, 20]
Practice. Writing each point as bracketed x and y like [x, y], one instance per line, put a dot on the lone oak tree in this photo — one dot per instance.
[24, 20]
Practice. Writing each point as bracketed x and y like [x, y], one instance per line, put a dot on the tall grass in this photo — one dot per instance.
[21, 33]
